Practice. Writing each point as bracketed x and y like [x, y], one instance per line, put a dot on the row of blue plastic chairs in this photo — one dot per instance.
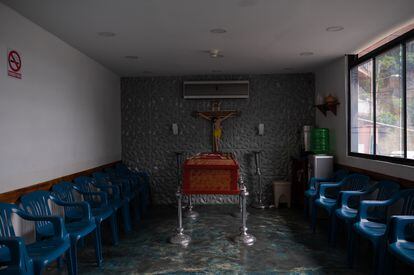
[86, 204]
[380, 212]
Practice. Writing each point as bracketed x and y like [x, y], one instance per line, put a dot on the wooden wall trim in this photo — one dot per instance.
[405, 183]
[14, 195]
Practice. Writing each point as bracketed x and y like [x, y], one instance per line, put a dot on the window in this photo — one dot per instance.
[389, 114]
[362, 130]
[381, 102]
[410, 99]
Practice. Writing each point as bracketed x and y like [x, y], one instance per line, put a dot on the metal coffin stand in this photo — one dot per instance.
[180, 237]
[259, 194]
[196, 171]
[243, 237]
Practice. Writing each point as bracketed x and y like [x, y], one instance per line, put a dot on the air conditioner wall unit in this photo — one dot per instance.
[216, 89]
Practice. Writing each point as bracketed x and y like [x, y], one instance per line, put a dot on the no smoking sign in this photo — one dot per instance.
[14, 64]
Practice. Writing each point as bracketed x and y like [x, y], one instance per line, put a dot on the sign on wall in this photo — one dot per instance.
[14, 64]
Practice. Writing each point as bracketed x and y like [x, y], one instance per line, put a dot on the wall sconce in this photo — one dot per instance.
[330, 104]
[261, 129]
[174, 128]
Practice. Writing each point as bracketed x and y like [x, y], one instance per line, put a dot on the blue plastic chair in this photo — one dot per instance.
[100, 212]
[136, 187]
[329, 195]
[37, 204]
[313, 185]
[402, 228]
[141, 180]
[23, 259]
[128, 193]
[376, 230]
[98, 200]
[114, 198]
[382, 190]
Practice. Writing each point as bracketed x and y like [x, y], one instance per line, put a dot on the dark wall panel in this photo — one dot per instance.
[284, 103]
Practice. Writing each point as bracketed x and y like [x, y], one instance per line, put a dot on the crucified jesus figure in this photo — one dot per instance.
[216, 116]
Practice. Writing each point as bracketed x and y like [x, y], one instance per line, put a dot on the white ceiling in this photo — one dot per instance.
[171, 36]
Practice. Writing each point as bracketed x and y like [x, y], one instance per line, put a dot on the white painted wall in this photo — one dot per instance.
[64, 115]
[331, 79]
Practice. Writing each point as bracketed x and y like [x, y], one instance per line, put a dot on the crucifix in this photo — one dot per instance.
[216, 116]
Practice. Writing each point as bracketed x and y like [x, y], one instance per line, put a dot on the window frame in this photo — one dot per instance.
[354, 61]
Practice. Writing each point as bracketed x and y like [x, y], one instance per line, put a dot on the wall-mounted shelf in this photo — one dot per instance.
[324, 108]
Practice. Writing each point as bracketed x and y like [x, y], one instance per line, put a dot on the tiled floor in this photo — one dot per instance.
[285, 245]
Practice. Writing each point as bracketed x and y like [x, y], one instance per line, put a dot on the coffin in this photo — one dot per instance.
[211, 173]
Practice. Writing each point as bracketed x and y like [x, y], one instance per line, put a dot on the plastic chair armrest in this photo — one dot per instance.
[56, 221]
[17, 249]
[322, 179]
[346, 195]
[106, 187]
[324, 186]
[101, 194]
[364, 205]
[86, 208]
[398, 224]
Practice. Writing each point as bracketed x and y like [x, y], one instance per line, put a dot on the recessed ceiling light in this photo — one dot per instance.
[306, 53]
[134, 57]
[218, 31]
[214, 53]
[334, 29]
[106, 34]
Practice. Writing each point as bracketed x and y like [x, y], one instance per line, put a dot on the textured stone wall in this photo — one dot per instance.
[284, 103]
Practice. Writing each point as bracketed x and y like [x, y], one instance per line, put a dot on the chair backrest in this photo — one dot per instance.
[113, 174]
[355, 182]
[102, 177]
[387, 189]
[402, 203]
[6, 224]
[122, 168]
[37, 204]
[340, 175]
[111, 171]
[64, 192]
[408, 202]
[84, 180]
[85, 184]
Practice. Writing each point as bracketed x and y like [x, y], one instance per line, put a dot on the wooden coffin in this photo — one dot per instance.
[211, 173]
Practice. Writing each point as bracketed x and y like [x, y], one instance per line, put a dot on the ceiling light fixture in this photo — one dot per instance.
[218, 31]
[106, 34]
[306, 53]
[133, 57]
[214, 53]
[334, 29]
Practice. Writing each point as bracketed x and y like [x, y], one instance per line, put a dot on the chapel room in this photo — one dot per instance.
[206, 137]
